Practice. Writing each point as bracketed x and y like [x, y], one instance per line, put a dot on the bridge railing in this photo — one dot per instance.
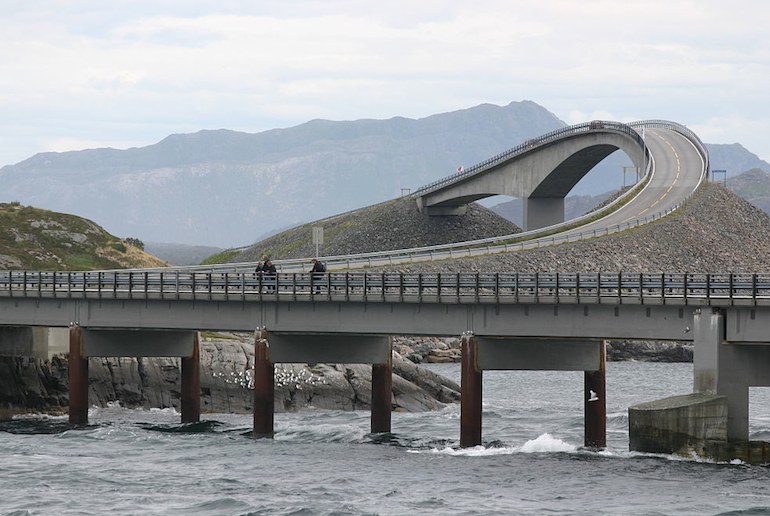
[720, 289]
[683, 130]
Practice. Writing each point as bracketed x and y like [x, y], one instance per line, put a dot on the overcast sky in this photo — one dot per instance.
[124, 73]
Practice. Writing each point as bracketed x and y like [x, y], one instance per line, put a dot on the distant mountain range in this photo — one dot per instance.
[225, 188]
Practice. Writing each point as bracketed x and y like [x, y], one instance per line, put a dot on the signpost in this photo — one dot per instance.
[633, 170]
[720, 171]
[318, 237]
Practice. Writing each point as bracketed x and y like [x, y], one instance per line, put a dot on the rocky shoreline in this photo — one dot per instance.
[434, 350]
[34, 385]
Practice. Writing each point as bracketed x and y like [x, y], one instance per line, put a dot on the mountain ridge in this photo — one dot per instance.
[223, 188]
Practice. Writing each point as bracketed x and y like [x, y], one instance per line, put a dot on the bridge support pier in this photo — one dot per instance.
[382, 394]
[595, 405]
[540, 212]
[264, 387]
[470, 393]
[500, 353]
[191, 384]
[300, 348]
[78, 378]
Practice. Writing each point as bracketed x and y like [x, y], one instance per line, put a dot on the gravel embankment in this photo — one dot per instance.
[716, 232]
[391, 225]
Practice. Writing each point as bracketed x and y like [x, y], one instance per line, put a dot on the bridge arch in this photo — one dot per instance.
[541, 172]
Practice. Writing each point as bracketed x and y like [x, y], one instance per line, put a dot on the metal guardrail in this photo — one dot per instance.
[700, 289]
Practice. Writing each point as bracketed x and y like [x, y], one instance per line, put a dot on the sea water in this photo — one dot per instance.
[326, 462]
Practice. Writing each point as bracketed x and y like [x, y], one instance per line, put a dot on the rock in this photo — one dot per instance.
[226, 368]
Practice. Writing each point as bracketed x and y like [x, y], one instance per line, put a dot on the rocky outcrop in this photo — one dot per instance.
[649, 351]
[447, 349]
[226, 367]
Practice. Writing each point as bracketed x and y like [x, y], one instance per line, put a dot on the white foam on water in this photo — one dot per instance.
[547, 443]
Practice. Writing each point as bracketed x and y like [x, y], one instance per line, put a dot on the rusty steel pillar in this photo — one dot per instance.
[264, 387]
[470, 393]
[595, 403]
[78, 378]
[191, 384]
[382, 392]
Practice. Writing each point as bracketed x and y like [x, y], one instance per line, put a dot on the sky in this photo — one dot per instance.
[127, 73]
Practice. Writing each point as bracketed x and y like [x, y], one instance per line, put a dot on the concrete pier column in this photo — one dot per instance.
[540, 212]
[264, 387]
[78, 378]
[470, 393]
[191, 384]
[595, 403]
[708, 335]
[382, 394]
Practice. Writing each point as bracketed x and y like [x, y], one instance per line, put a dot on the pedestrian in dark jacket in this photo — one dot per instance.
[317, 271]
[269, 275]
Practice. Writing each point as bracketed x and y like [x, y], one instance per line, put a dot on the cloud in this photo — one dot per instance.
[139, 70]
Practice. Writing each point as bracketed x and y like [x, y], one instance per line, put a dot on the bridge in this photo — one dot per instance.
[507, 320]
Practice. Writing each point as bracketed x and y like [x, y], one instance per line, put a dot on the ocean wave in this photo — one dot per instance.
[544, 443]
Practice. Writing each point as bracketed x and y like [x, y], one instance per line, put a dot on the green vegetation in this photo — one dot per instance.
[222, 257]
[36, 239]
[135, 242]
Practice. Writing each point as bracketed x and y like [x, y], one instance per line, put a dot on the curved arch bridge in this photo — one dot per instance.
[541, 171]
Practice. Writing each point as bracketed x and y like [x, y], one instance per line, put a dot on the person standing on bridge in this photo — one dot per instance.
[317, 272]
[269, 274]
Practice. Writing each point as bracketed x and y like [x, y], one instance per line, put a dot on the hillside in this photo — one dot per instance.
[716, 232]
[390, 225]
[35, 239]
[223, 188]
[754, 186]
[226, 188]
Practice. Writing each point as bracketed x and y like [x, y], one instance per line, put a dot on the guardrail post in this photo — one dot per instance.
[595, 404]
[382, 394]
[191, 384]
[264, 387]
[78, 378]
[470, 393]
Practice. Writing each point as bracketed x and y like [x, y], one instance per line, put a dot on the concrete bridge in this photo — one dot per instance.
[554, 321]
[542, 171]
[507, 321]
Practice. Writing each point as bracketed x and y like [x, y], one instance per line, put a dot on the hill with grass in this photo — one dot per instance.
[36, 239]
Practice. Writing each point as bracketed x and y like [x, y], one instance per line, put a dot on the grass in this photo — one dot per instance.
[47, 240]
[222, 257]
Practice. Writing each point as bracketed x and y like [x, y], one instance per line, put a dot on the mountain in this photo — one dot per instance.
[225, 188]
[754, 186]
[180, 254]
[35, 239]
[734, 159]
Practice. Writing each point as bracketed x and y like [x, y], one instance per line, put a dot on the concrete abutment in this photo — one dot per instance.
[713, 421]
